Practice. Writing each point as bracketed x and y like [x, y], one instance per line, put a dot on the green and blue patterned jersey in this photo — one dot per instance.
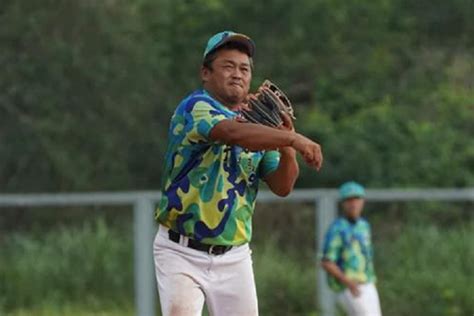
[209, 188]
[349, 246]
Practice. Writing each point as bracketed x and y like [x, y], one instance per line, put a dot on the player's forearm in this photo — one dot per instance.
[283, 179]
[335, 271]
[251, 136]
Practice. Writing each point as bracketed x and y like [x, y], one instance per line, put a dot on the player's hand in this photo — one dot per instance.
[354, 288]
[310, 151]
[244, 105]
[287, 123]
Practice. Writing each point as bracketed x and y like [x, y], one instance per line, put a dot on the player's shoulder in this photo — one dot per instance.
[363, 222]
[197, 97]
[338, 224]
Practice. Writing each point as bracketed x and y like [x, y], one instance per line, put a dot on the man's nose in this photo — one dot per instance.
[237, 73]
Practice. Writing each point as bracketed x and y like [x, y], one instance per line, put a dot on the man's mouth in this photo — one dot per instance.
[236, 84]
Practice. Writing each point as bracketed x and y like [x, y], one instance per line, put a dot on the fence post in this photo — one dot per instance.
[326, 209]
[145, 282]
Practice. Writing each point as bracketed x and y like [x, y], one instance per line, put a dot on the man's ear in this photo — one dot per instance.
[205, 73]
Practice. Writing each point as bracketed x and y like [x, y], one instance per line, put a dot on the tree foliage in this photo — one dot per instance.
[87, 87]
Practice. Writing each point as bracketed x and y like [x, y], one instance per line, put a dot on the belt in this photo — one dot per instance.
[197, 245]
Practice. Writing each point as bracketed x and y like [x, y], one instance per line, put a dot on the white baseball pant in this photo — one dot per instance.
[187, 278]
[366, 304]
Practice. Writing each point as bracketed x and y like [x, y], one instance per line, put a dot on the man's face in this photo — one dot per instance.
[229, 77]
[353, 207]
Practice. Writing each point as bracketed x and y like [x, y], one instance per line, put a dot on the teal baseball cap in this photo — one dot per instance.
[351, 189]
[221, 38]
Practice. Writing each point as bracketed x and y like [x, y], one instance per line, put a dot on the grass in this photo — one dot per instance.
[87, 270]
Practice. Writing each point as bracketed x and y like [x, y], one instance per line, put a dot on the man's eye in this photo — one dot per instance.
[244, 70]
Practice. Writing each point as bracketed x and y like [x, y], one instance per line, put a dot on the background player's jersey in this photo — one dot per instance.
[209, 188]
[349, 245]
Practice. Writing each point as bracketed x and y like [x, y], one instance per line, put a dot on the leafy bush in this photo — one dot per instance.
[90, 264]
[423, 270]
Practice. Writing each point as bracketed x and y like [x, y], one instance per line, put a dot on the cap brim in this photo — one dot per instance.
[360, 196]
[239, 38]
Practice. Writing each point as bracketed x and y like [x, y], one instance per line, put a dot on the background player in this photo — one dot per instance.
[348, 256]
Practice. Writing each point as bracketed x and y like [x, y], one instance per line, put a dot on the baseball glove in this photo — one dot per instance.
[265, 106]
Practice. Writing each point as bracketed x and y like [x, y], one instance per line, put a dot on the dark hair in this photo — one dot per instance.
[211, 56]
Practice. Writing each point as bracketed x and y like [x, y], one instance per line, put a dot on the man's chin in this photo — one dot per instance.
[236, 98]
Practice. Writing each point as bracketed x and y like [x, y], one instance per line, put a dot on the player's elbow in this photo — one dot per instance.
[281, 193]
[283, 190]
[280, 183]
[325, 264]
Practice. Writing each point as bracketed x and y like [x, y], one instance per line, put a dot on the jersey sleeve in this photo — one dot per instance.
[269, 163]
[369, 241]
[203, 117]
[332, 244]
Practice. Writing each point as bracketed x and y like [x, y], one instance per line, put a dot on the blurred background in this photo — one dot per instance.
[87, 89]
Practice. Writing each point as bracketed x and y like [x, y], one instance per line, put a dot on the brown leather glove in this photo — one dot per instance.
[267, 105]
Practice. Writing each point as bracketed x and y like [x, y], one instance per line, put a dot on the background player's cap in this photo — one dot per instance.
[221, 38]
[351, 189]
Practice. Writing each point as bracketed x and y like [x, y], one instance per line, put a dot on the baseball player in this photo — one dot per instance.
[348, 256]
[213, 167]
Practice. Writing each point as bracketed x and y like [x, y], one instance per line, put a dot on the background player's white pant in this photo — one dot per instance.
[187, 277]
[367, 304]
